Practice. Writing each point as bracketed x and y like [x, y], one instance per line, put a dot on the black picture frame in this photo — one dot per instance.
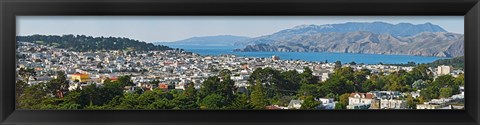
[9, 9]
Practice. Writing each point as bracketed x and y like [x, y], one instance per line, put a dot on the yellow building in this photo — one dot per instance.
[81, 77]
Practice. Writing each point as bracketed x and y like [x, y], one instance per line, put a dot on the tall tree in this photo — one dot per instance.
[410, 102]
[227, 87]
[58, 85]
[258, 96]
[338, 64]
[20, 87]
[187, 99]
[343, 101]
[241, 102]
[26, 73]
[307, 76]
[125, 80]
[291, 84]
[209, 86]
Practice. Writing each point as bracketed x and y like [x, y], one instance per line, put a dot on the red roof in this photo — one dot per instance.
[272, 107]
[363, 95]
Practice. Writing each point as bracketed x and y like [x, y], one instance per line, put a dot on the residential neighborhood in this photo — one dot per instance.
[175, 69]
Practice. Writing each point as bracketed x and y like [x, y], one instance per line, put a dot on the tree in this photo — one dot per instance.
[445, 92]
[368, 85]
[310, 90]
[419, 84]
[26, 73]
[420, 72]
[341, 82]
[331, 95]
[226, 88]
[157, 99]
[19, 89]
[343, 101]
[258, 96]
[271, 78]
[107, 92]
[90, 95]
[410, 102]
[460, 80]
[210, 86]
[345, 72]
[187, 99]
[213, 101]
[224, 73]
[241, 102]
[291, 84]
[309, 103]
[378, 81]
[32, 97]
[307, 77]
[99, 65]
[396, 81]
[444, 81]
[352, 63]
[74, 100]
[338, 64]
[128, 101]
[359, 78]
[58, 85]
[431, 92]
[125, 81]
[88, 43]
[190, 91]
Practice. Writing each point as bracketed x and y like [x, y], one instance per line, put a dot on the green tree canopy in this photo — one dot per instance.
[258, 96]
[310, 103]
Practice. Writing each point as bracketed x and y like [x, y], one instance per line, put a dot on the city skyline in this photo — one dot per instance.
[149, 28]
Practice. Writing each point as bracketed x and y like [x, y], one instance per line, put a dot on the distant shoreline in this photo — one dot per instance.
[312, 56]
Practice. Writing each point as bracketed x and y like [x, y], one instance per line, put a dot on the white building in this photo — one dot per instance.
[324, 77]
[428, 106]
[326, 103]
[444, 70]
[360, 100]
[393, 104]
[295, 104]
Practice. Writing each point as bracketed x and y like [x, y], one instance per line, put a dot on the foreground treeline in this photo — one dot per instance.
[267, 87]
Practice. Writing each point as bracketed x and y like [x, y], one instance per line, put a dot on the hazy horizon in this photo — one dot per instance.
[174, 28]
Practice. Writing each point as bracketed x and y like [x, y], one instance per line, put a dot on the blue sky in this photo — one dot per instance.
[172, 28]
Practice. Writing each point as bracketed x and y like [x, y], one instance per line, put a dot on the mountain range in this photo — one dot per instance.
[440, 44]
[354, 37]
[220, 40]
[397, 30]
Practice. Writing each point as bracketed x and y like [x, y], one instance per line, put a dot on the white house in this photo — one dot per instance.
[393, 104]
[295, 104]
[326, 103]
[360, 100]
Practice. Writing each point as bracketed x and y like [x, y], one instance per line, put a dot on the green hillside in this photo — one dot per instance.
[89, 43]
